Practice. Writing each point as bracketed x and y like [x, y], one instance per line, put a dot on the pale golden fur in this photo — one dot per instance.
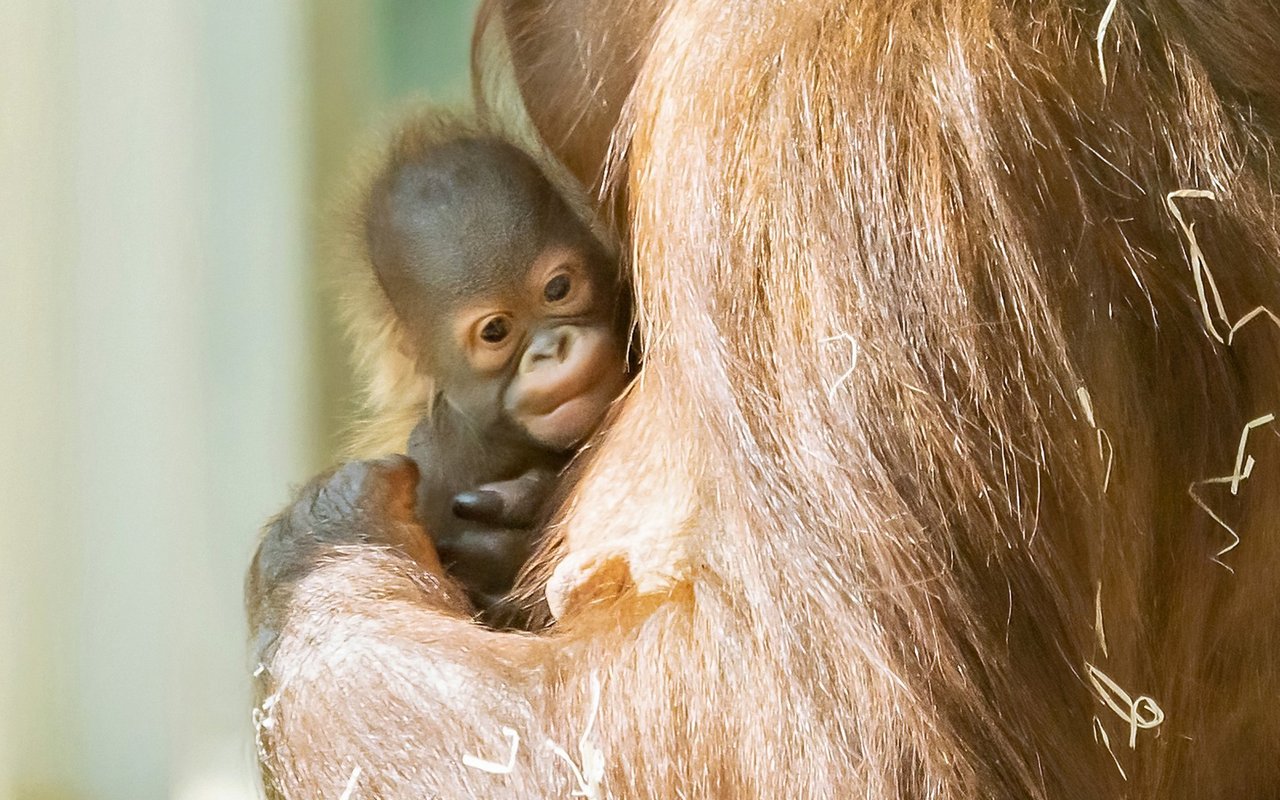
[885, 586]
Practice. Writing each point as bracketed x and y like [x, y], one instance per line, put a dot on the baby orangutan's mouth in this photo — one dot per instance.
[563, 423]
[559, 401]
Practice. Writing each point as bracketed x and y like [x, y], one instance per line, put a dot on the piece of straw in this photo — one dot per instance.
[1100, 735]
[853, 361]
[1102, 34]
[1097, 620]
[494, 767]
[1250, 317]
[1126, 707]
[1200, 272]
[590, 775]
[351, 784]
[1243, 469]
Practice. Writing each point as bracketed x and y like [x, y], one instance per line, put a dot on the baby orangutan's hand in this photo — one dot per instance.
[359, 503]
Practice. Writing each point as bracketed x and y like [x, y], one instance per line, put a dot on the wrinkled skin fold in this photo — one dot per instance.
[933, 380]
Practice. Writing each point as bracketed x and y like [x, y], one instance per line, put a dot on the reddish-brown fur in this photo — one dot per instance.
[789, 579]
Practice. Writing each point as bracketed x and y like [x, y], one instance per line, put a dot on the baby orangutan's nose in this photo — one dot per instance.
[547, 345]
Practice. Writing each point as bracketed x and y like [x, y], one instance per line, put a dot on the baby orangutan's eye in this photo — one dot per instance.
[496, 329]
[557, 288]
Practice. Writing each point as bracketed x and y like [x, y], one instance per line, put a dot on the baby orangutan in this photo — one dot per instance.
[514, 309]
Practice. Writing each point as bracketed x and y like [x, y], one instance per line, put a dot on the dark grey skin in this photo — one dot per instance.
[363, 503]
[482, 493]
[515, 309]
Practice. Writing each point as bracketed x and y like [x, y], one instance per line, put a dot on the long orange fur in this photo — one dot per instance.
[883, 582]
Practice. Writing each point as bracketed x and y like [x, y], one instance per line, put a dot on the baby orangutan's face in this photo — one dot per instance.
[512, 303]
[547, 348]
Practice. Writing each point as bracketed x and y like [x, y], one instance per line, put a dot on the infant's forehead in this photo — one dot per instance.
[469, 178]
[464, 222]
[478, 201]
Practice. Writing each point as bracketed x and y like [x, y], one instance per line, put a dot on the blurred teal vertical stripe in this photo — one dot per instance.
[425, 46]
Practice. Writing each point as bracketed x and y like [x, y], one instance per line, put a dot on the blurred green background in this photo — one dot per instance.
[170, 363]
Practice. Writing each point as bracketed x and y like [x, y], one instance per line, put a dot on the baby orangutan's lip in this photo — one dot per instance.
[542, 402]
[566, 423]
[561, 402]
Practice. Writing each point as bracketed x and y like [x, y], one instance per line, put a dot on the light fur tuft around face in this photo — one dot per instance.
[398, 389]
[930, 367]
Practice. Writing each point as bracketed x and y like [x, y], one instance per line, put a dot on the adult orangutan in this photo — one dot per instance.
[950, 470]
